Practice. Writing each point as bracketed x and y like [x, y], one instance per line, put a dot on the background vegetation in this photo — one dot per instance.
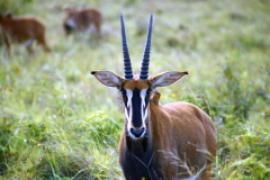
[57, 122]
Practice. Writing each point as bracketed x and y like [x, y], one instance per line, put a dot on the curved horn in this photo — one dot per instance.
[146, 55]
[127, 63]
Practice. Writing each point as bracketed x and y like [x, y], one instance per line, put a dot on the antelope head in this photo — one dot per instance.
[136, 91]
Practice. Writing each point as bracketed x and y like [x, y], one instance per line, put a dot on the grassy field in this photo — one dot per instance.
[58, 122]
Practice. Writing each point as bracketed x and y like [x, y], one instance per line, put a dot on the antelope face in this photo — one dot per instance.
[136, 91]
[70, 21]
[136, 96]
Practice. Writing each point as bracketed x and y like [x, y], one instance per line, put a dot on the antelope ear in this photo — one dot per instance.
[166, 79]
[108, 78]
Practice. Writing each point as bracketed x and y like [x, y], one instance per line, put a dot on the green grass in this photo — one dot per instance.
[58, 122]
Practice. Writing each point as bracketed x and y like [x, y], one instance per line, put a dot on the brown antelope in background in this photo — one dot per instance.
[171, 141]
[24, 30]
[82, 20]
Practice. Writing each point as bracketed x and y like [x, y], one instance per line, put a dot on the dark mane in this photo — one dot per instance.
[139, 160]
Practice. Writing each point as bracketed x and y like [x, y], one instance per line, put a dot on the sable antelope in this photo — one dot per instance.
[171, 141]
[22, 30]
[82, 20]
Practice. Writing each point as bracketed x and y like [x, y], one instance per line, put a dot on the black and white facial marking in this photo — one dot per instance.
[71, 23]
[136, 103]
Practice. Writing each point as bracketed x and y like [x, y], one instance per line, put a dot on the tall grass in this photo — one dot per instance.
[57, 122]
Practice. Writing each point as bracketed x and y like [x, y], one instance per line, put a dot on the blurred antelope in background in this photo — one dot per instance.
[82, 20]
[171, 141]
[23, 30]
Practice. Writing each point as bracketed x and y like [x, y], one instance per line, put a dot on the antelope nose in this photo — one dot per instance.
[137, 132]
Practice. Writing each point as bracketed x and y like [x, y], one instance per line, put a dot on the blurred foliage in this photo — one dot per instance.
[57, 122]
[16, 6]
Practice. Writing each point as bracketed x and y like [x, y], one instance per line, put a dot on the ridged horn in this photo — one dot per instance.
[146, 55]
[127, 63]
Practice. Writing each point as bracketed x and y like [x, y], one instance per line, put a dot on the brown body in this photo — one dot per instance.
[183, 139]
[22, 30]
[82, 20]
[159, 142]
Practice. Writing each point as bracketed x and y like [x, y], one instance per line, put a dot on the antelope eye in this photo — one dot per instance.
[124, 95]
[147, 97]
[125, 99]
[128, 108]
